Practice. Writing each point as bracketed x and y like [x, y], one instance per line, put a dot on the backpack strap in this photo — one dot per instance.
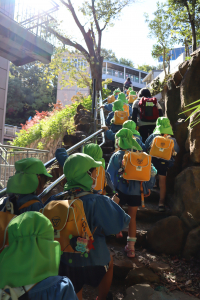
[142, 193]
[29, 203]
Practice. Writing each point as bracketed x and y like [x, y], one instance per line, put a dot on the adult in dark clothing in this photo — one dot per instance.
[127, 84]
[146, 128]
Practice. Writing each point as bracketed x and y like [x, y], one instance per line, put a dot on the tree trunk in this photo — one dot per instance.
[164, 62]
[96, 73]
[194, 40]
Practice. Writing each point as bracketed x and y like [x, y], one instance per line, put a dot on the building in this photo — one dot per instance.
[117, 72]
[20, 45]
[151, 76]
[174, 53]
[64, 94]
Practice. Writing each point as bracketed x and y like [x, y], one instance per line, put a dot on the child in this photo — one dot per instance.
[96, 153]
[130, 125]
[117, 105]
[122, 97]
[109, 106]
[162, 127]
[104, 217]
[29, 265]
[28, 182]
[128, 192]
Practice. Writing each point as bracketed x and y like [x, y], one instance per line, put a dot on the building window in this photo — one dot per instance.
[136, 79]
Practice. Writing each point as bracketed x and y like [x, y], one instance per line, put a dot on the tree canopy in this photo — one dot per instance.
[97, 16]
[186, 20]
[160, 28]
[28, 92]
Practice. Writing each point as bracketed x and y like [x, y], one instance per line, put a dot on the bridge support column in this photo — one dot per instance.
[4, 73]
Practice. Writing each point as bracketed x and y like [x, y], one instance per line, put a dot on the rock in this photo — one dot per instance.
[177, 77]
[121, 267]
[166, 236]
[172, 104]
[158, 267]
[88, 128]
[83, 113]
[170, 84]
[183, 67]
[146, 292]
[194, 138]
[70, 140]
[190, 87]
[141, 275]
[192, 245]
[187, 197]
[180, 129]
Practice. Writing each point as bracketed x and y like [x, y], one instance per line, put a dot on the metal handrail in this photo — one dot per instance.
[69, 151]
[102, 118]
[73, 148]
[24, 148]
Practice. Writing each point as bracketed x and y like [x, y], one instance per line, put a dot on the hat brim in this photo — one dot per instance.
[163, 131]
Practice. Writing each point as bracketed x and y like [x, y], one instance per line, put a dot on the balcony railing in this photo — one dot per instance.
[120, 74]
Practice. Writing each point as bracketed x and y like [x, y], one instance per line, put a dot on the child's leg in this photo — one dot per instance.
[131, 239]
[105, 284]
[162, 185]
[80, 294]
[132, 211]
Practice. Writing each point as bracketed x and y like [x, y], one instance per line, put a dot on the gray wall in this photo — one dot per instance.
[4, 72]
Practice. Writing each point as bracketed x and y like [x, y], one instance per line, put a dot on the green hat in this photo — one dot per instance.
[133, 93]
[118, 105]
[130, 88]
[163, 126]
[132, 126]
[126, 140]
[122, 97]
[25, 180]
[116, 91]
[32, 254]
[95, 152]
[75, 169]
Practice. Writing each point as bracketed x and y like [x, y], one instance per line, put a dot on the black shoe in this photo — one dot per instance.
[161, 208]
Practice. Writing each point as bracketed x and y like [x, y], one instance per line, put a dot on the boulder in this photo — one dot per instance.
[187, 197]
[190, 87]
[70, 140]
[177, 77]
[166, 236]
[141, 275]
[159, 267]
[194, 138]
[87, 128]
[83, 113]
[192, 245]
[121, 267]
[180, 129]
[146, 292]
[172, 104]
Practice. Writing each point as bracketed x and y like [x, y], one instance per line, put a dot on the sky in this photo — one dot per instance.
[128, 38]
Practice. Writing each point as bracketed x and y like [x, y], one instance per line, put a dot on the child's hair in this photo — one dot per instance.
[43, 179]
[91, 170]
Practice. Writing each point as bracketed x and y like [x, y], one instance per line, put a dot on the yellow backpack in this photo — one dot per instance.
[126, 108]
[5, 218]
[132, 98]
[111, 99]
[120, 117]
[71, 229]
[101, 180]
[137, 166]
[162, 147]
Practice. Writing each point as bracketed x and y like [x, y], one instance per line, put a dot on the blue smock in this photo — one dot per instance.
[51, 288]
[107, 218]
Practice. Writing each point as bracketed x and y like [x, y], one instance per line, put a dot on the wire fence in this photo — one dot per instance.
[10, 154]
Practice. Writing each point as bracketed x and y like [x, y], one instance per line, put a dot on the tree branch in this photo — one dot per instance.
[86, 36]
[68, 42]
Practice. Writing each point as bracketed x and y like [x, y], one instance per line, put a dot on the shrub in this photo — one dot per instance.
[49, 125]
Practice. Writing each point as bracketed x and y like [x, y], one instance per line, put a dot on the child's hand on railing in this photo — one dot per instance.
[105, 128]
